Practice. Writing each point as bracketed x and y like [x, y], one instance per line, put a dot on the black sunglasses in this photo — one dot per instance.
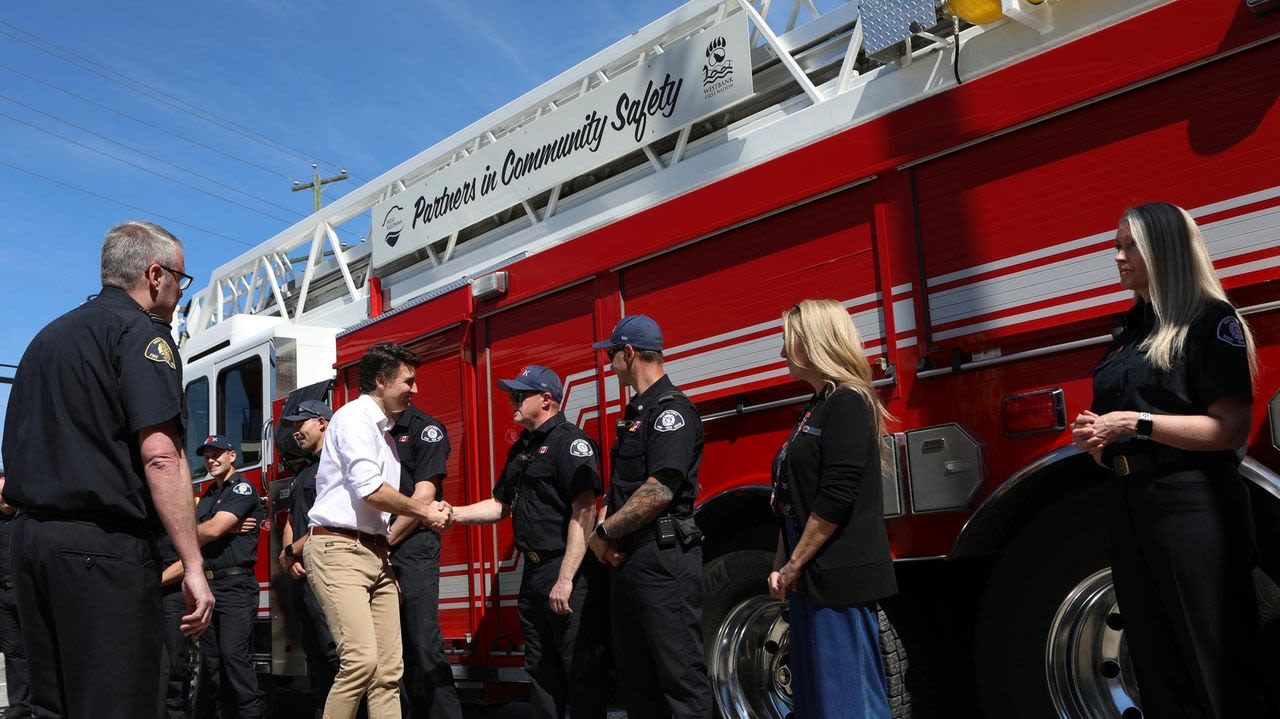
[519, 396]
[184, 279]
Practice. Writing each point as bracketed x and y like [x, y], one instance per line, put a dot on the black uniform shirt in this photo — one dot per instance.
[830, 467]
[86, 385]
[659, 436]
[423, 448]
[1213, 365]
[232, 549]
[302, 496]
[546, 469]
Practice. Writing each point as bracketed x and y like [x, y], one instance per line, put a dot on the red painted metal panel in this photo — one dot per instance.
[403, 326]
[1209, 136]
[719, 300]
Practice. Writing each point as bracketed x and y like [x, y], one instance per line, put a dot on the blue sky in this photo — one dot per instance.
[357, 85]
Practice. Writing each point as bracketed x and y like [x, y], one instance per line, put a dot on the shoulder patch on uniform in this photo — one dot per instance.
[581, 448]
[242, 488]
[432, 434]
[669, 421]
[159, 351]
[1230, 331]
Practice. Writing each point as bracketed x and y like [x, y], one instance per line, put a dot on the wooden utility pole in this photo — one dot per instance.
[317, 183]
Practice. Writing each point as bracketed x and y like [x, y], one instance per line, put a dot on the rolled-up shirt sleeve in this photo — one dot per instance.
[361, 453]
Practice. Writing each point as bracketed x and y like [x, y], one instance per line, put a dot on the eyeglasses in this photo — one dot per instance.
[612, 351]
[184, 279]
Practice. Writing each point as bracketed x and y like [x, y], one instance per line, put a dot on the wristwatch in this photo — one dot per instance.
[601, 532]
[288, 552]
[1144, 425]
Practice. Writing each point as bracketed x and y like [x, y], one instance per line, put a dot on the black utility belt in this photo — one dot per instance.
[227, 572]
[668, 531]
[536, 558]
[1164, 460]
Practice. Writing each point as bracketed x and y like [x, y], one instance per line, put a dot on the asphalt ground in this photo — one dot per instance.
[300, 708]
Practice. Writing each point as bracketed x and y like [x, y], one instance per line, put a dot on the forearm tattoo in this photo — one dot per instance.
[642, 508]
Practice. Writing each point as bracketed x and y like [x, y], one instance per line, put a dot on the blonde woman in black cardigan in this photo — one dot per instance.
[833, 561]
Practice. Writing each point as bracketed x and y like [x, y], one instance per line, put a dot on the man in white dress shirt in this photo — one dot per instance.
[357, 490]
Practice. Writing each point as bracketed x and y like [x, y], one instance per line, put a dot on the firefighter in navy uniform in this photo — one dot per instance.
[423, 448]
[549, 487]
[649, 536]
[15, 657]
[309, 420]
[228, 680]
[94, 452]
[1167, 418]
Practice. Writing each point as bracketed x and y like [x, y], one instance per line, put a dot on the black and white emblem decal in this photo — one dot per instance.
[242, 488]
[1230, 331]
[668, 421]
[432, 434]
[580, 448]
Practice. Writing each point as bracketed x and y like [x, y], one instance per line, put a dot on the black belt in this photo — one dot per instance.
[228, 572]
[1163, 459]
[375, 543]
[536, 558]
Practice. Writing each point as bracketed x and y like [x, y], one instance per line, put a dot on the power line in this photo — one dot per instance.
[122, 203]
[143, 122]
[110, 73]
[146, 169]
[149, 156]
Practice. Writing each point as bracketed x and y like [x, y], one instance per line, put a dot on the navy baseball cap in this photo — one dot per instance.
[309, 409]
[535, 378]
[639, 331]
[217, 441]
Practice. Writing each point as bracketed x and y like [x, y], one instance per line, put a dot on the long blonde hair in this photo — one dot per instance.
[1180, 278]
[824, 331]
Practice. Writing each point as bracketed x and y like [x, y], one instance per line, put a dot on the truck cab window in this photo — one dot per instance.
[240, 409]
[197, 424]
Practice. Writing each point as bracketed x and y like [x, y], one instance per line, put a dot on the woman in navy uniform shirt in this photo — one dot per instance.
[1171, 403]
[833, 560]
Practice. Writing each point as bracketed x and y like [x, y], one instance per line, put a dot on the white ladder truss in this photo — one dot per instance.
[278, 278]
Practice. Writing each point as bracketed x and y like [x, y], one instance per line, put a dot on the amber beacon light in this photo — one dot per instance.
[980, 12]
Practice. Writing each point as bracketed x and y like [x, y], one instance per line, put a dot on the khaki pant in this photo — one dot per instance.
[361, 602]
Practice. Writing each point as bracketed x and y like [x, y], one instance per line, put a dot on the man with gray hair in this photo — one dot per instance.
[93, 446]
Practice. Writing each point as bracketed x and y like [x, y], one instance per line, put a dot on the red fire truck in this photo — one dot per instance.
[952, 171]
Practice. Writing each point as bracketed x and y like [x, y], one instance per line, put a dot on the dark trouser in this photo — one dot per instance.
[176, 666]
[564, 654]
[15, 657]
[428, 677]
[1182, 554]
[89, 602]
[228, 679]
[656, 606]
[317, 643]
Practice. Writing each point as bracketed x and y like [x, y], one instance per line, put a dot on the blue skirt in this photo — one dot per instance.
[836, 669]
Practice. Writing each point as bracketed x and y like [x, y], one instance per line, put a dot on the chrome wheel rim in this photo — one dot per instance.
[748, 661]
[1086, 658]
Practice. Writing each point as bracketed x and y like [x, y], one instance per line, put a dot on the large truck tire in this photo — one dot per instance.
[745, 632]
[1048, 640]
[1050, 634]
